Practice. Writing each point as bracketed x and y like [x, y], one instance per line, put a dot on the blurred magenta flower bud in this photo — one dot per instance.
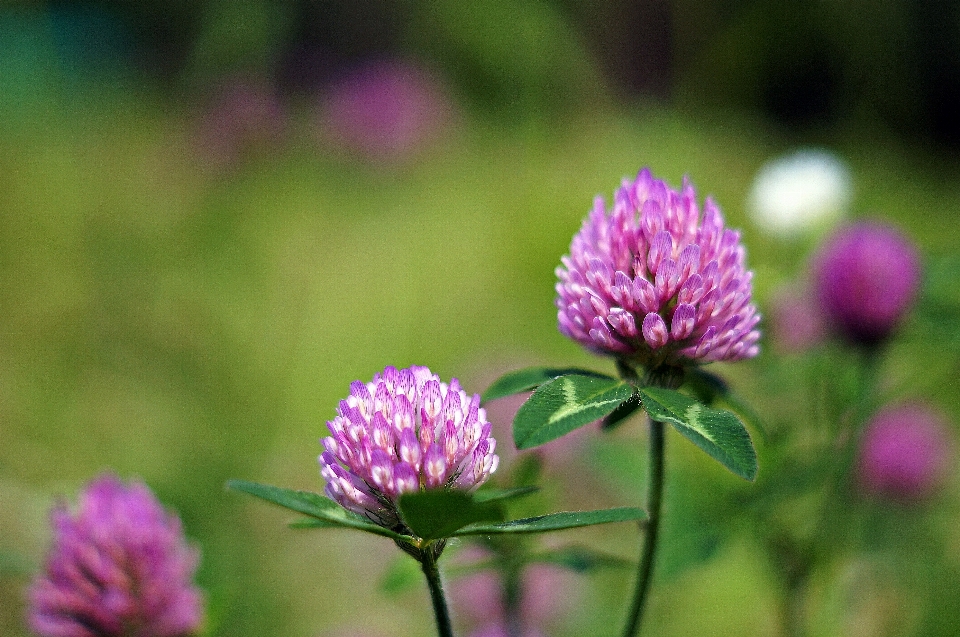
[243, 118]
[384, 111]
[547, 595]
[905, 453]
[119, 567]
[796, 323]
[500, 630]
[866, 277]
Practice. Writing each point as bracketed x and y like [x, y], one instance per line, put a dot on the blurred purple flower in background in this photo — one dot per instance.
[548, 594]
[500, 630]
[243, 117]
[866, 278]
[403, 432]
[120, 567]
[905, 453]
[653, 283]
[795, 321]
[384, 111]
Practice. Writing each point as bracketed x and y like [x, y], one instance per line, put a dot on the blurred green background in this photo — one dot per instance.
[190, 279]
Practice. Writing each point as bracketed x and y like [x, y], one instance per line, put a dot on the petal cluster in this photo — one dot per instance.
[120, 566]
[654, 282]
[403, 432]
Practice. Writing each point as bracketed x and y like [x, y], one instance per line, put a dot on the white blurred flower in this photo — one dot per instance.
[800, 191]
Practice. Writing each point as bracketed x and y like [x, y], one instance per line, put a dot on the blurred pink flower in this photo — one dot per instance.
[547, 595]
[243, 117]
[500, 630]
[905, 453]
[119, 566]
[796, 323]
[384, 111]
[866, 277]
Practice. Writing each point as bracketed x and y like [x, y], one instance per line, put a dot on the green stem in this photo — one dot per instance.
[654, 499]
[511, 599]
[428, 562]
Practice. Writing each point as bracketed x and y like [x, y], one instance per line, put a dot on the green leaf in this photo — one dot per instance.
[565, 403]
[719, 433]
[580, 559]
[556, 521]
[621, 413]
[711, 389]
[436, 514]
[499, 495]
[326, 511]
[527, 469]
[313, 523]
[530, 378]
[402, 575]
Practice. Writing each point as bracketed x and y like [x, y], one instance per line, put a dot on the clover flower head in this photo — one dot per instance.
[800, 191]
[866, 277]
[654, 282]
[403, 432]
[905, 453]
[120, 566]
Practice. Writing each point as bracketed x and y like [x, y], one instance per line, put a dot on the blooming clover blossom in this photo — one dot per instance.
[866, 277]
[904, 453]
[120, 567]
[799, 191]
[652, 283]
[403, 432]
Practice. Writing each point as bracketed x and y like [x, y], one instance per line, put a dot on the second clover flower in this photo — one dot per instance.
[652, 283]
[403, 432]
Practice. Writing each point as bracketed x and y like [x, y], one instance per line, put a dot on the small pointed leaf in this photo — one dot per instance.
[565, 403]
[530, 378]
[719, 433]
[436, 514]
[556, 522]
[327, 512]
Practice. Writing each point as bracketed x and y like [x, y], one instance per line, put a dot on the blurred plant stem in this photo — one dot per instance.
[796, 560]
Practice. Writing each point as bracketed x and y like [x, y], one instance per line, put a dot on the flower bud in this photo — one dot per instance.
[904, 453]
[866, 278]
